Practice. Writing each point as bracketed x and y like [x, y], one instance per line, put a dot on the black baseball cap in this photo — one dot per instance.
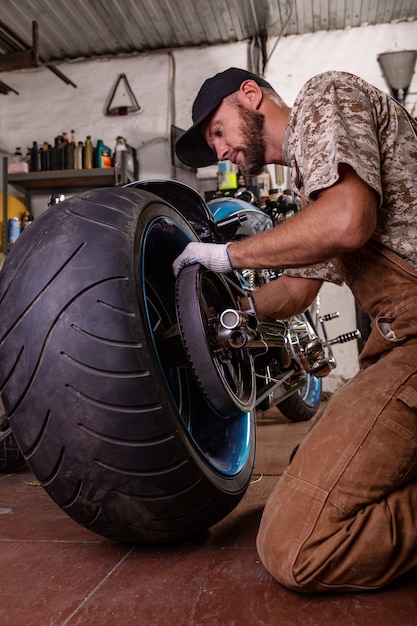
[191, 148]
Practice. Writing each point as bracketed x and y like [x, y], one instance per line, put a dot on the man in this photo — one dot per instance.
[344, 514]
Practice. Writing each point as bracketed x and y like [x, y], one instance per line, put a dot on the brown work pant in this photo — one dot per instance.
[343, 516]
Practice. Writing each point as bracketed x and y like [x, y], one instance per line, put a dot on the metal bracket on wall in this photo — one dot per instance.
[21, 56]
[5, 89]
[124, 109]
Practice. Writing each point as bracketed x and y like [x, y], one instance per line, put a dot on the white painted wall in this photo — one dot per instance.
[165, 85]
[296, 59]
[46, 106]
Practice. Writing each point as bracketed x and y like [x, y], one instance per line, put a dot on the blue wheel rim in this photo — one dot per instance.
[310, 394]
[224, 444]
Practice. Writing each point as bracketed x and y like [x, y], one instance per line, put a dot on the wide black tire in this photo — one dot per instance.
[94, 379]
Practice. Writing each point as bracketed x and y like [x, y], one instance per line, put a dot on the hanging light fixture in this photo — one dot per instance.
[398, 69]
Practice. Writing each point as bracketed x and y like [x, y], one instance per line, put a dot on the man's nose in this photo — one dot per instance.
[221, 150]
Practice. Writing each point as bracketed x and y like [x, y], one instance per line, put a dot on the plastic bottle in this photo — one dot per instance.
[34, 158]
[88, 153]
[45, 156]
[120, 159]
[103, 155]
[70, 148]
[17, 157]
[78, 156]
[132, 162]
[120, 147]
[27, 157]
[59, 153]
[123, 159]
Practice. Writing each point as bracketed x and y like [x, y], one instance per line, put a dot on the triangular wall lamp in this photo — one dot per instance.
[122, 99]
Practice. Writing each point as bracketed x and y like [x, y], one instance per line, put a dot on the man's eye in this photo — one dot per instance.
[218, 132]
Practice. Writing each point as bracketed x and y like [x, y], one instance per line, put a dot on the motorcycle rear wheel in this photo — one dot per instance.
[98, 392]
[225, 376]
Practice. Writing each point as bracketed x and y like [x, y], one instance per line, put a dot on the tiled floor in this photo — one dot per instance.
[54, 572]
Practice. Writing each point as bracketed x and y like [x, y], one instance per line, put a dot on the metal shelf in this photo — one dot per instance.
[60, 180]
[53, 181]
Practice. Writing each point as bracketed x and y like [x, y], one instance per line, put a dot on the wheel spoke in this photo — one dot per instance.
[170, 347]
[226, 378]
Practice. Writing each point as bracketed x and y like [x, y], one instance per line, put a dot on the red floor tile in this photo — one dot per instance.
[54, 572]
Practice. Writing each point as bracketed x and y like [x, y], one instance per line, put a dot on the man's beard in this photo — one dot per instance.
[253, 142]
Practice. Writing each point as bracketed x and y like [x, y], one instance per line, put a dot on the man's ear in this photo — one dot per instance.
[251, 94]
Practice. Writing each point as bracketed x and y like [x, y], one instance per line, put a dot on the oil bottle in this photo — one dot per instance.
[78, 156]
[103, 155]
[88, 153]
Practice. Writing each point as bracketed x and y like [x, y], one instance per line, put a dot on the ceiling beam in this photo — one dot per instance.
[21, 56]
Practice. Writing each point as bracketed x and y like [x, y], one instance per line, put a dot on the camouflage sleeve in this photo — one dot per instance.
[320, 271]
[335, 122]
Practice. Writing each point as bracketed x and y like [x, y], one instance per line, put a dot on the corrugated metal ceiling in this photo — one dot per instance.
[89, 28]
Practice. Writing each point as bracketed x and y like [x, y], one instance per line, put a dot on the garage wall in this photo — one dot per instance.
[165, 85]
[353, 50]
[45, 106]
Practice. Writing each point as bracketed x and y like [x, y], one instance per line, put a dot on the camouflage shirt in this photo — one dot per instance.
[340, 118]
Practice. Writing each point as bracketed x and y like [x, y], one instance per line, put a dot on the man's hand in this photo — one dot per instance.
[213, 256]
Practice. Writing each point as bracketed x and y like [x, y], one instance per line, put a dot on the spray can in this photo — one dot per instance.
[14, 229]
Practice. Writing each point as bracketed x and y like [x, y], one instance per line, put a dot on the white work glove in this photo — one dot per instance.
[213, 256]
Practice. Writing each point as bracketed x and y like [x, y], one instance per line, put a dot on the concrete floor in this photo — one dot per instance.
[54, 572]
